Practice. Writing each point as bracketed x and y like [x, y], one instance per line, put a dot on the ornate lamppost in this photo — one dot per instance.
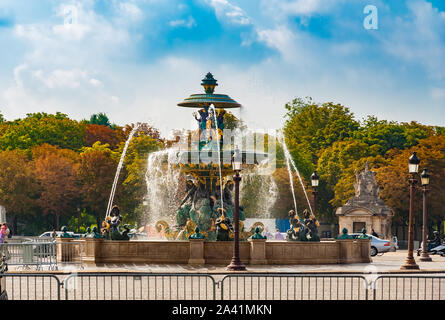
[425, 178]
[236, 264]
[314, 181]
[413, 166]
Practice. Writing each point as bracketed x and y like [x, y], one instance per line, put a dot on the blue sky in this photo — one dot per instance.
[136, 59]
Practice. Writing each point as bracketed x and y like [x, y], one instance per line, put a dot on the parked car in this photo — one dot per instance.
[377, 245]
[48, 234]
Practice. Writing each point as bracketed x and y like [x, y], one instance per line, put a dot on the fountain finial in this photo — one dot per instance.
[209, 83]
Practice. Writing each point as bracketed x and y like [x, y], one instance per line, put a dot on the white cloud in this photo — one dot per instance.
[95, 82]
[61, 78]
[417, 38]
[226, 11]
[281, 9]
[131, 10]
[189, 23]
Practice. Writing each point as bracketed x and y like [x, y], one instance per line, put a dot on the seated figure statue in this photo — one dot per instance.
[296, 228]
[312, 224]
[223, 227]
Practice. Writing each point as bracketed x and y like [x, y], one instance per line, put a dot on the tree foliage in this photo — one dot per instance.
[38, 128]
[56, 174]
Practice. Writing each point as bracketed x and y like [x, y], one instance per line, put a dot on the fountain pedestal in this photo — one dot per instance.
[92, 251]
[64, 249]
[257, 251]
[196, 251]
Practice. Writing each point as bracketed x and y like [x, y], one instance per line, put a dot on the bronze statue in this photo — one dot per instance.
[223, 227]
[312, 224]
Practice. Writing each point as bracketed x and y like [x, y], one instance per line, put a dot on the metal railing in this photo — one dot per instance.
[416, 287]
[32, 286]
[41, 254]
[293, 287]
[185, 286]
[139, 286]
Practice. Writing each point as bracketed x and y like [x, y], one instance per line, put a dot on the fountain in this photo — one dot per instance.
[207, 165]
[199, 226]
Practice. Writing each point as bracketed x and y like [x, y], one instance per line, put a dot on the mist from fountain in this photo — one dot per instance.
[162, 182]
[119, 168]
[266, 193]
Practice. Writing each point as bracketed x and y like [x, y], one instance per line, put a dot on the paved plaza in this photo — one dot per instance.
[389, 262]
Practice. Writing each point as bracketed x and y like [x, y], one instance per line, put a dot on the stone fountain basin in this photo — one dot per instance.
[216, 252]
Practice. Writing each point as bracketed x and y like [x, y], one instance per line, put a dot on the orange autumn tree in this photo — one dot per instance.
[104, 134]
[56, 174]
[17, 185]
[393, 180]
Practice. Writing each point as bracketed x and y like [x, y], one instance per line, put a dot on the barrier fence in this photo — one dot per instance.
[150, 286]
[41, 254]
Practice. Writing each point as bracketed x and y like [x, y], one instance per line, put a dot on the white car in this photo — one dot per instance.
[377, 245]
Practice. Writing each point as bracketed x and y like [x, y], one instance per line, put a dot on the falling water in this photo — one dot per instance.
[291, 180]
[162, 180]
[289, 158]
[219, 157]
[265, 192]
[119, 168]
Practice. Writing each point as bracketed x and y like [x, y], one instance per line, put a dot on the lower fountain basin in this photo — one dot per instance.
[220, 252]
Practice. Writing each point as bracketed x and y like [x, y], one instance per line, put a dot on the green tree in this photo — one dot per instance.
[2, 119]
[96, 174]
[100, 119]
[332, 165]
[38, 128]
[385, 135]
[135, 166]
[311, 127]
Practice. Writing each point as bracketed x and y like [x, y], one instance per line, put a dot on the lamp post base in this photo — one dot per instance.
[410, 264]
[236, 265]
[425, 257]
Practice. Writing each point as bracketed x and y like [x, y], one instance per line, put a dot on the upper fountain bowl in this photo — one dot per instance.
[201, 100]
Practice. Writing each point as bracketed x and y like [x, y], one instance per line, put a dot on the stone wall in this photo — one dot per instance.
[217, 253]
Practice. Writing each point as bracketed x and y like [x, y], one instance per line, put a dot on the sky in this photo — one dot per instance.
[136, 59]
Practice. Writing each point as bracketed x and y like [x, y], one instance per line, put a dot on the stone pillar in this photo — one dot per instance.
[196, 251]
[365, 249]
[344, 250]
[257, 251]
[64, 249]
[91, 253]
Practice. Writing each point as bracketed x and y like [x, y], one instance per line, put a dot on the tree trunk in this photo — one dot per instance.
[57, 221]
[13, 226]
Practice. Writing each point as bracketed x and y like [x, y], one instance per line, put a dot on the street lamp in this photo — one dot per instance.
[425, 178]
[413, 166]
[236, 264]
[314, 181]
